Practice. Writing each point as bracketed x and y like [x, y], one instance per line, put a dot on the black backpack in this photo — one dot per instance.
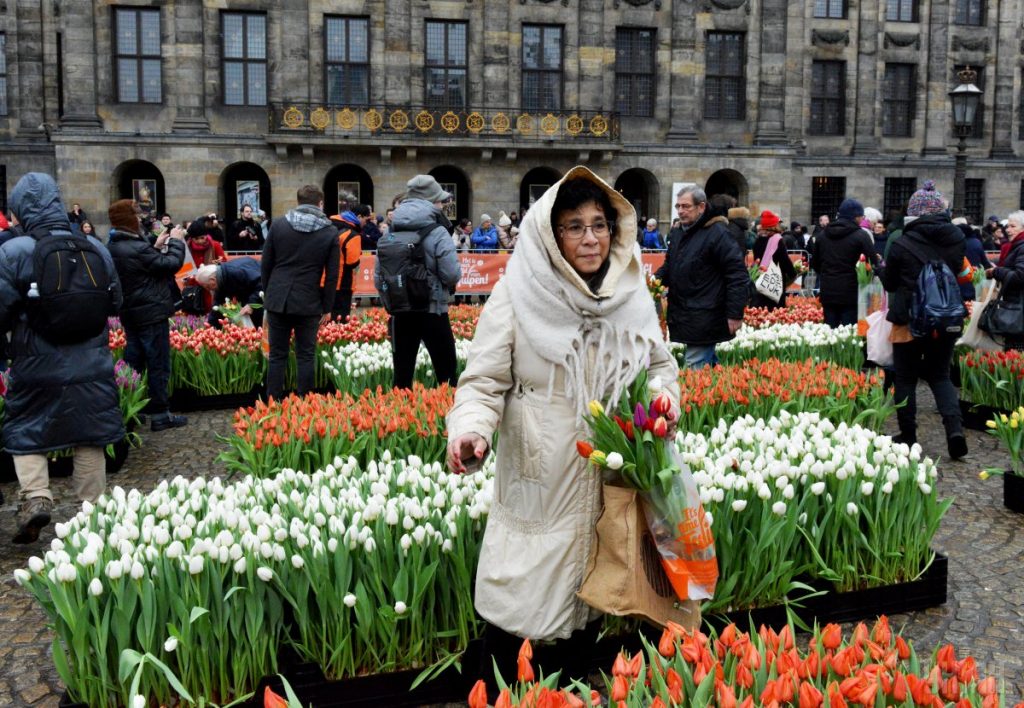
[404, 286]
[936, 306]
[72, 290]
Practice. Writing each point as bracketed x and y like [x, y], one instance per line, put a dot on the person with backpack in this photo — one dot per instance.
[350, 224]
[416, 274]
[144, 268]
[56, 291]
[927, 313]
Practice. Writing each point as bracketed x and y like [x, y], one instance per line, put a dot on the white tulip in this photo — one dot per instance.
[350, 600]
[195, 565]
[264, 573]
[22, 576]
[817, 488]
[35, 564]
[867, 488]
[614, 461]
[851, 509]
[171, 644]
[139, 702]
[739, 505]
[400, 607]
[779, 508]
[297, 562]
[240, 565]
[95, 587]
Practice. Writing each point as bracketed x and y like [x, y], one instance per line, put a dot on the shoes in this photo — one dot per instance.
[957, 445]
[33, 516]
[167, 421]
[904, 439]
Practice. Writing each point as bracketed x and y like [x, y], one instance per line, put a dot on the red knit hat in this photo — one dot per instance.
[769, 220]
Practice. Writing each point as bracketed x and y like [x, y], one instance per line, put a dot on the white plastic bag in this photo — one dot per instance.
[879, 346]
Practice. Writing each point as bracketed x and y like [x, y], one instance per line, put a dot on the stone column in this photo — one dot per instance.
[592, 40]
[771, 107]
[30, 97]
[289, 77]
[683, 67]
[186, 82]
[398, 44]
[498, 53]
[937, 108]
[865, 140]
[78, 27]
[1006, 52]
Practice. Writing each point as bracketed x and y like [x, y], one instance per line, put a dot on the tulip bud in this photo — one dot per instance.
[598, 458]
[614, 461]
[661, 404]
[584, 449]
[595, 408]
[660, 428]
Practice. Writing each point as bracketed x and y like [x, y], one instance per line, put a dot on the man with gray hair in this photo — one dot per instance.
[707, 280]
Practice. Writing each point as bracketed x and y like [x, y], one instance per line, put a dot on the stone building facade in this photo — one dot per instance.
[788, 105]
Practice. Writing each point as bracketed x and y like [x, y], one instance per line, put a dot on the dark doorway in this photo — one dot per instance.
[454, 181]
[640, 188]
[728, 182]
[534, 184]
[244, 183]
[347, 179]
[142, 181]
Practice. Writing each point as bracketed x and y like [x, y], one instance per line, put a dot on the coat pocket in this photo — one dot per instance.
[526, 434]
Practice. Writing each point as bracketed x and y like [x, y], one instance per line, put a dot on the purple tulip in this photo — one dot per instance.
[639, 416]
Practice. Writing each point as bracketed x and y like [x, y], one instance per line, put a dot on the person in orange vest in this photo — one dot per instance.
[350, 227]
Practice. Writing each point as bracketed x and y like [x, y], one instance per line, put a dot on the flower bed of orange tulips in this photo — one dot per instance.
[993, 379]
[214, 362]
[875, 668]
[308, 433]
[797, 311]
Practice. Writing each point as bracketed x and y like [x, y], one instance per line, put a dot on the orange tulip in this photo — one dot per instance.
[635, 664]
[620, 667]
[987, 686]
[946, 659]
[831, 636]
[786, 638]
[272, 700]
[595, 698]
[744, 677]
[524, 671]
[667, 644]
[810, 697]
[990, 702]
[674, 683]
[620, 688]
[478, 696]
[950, 689]
[967, 671]
[899, 687]
[658, 703]
[860, 634]
[728, 635]
[882, 633]
[570, 700]
[835, 696]
[584, 449]
[902, 649]
[748, 702]
[725, 694]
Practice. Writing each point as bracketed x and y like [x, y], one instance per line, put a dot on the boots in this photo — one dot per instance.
[33, 516]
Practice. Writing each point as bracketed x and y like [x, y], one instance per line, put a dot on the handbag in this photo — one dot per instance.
[1003, 318]
[974, 337]
[624, 574]
[769, 283]
[879, 344]
[193, 300]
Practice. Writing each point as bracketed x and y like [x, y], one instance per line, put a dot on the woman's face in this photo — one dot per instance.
[879, 228]
[1013, 228]
[584, 237]
[87, 228]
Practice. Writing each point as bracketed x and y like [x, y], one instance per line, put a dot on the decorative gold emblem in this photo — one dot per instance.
[346, 119]
[524, 124]
[450, 122]
[424, 121]
[598, 125]
[293, 118]
[320, 119]
[500, 123]
[574, 125]
[475, 122]
[373, 120]
[399, 120]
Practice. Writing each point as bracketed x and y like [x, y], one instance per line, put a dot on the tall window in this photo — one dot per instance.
[542, 68]
[634, 71]
[979, 117]
[835, 9]
[970, 12]
[446, 64]
[724, 82]
[898, 191]
[347, 60]
[901, 10]
[137, 51]
[245, 58]
[827, 193]
[3, 185]
[3, 74]
[974, 200]
[898, 105]
[828, 98]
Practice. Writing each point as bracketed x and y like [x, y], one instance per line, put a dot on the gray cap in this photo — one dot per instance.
[425, 187]
[484, 218]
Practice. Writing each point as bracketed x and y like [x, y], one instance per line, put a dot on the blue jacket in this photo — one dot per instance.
[486, 239]
[651, 240]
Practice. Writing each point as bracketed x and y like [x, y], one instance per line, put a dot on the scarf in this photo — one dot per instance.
[1004, 250]
[600, 340]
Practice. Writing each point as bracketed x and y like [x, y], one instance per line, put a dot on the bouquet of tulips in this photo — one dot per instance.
[231, 311]
[993, 379]
[864, 274]
[634, 445]
[1009, 430]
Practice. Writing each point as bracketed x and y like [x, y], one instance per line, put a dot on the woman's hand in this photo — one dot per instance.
[465, 447]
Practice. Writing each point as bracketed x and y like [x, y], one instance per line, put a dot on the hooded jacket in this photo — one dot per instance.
[708, 283]
[58, 396]
[836, 252]
[485, 239]
[144, 272]
[546, 501]
[931, 234]
[299, 248]
[439, 256]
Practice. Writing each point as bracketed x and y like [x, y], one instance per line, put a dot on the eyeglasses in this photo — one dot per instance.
[574, 230]
[685, 207]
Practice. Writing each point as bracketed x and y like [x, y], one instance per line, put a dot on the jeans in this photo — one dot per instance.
[408, 329]
[697, 356]
[148, 349]
[836, 315]
[928, 359]
[279, 333]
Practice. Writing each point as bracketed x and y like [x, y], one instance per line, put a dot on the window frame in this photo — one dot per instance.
[245, 60]
[347, 62]
[446, 67]
[974, 194]
[964, 19]
[899, 6]
[740, 78]
[829, 11]
[839, 98]
[831, 212]
[630, 79]
[524, 105]
[4, 106]
[897, 186]
[893, 100]
[139, 57]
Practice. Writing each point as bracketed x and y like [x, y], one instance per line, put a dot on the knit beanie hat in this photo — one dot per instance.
[484, 218]
[503, 221]
[123, 216]
[769, 220]
[926, 200]
[850, 209]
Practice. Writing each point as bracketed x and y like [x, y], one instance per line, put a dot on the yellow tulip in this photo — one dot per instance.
[1015, 415]
[598, 458]
[1014, 424]
[990, 424]
[1002, 417]
[596, 408]
[983, 474]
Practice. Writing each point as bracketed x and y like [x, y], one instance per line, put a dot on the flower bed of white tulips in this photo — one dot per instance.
[791, 342]
[362, 570]
[356, 366]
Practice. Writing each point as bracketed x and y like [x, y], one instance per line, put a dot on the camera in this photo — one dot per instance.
[147, 222]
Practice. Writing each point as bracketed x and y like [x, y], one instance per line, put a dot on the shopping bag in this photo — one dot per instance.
[625, 575]
[770, 283]
[246, 322]
[974, 337]
[878, 342]
[1002, 317]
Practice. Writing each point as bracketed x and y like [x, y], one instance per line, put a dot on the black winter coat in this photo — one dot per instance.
[144, 273]
[707, 282]
[58, 396]
[239, 279]
[836, 252]
[299, 248]
[1011, 272]
[936, 237]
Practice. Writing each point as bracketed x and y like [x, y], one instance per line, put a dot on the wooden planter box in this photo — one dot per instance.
[975, 415]
[1013, 492]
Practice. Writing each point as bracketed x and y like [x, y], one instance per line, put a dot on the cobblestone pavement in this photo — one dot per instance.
[984, 616]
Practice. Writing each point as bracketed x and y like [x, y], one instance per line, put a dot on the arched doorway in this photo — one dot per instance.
[244, 183]
[728, 182]
[640, 188]
[454, 181]
[347, 179]
[142, 181]
[534, 184]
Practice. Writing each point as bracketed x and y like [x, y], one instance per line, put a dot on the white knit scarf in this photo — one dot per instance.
[600, 340]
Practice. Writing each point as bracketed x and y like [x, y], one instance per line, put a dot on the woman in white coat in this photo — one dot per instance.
[570, 322]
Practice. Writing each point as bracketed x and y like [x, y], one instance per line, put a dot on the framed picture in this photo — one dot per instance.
[247, 192]
[346, 188]
[144, 193]
[537, 191]
[451, 206]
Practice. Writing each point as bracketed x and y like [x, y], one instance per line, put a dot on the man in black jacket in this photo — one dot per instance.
[708, 284]
[299, 249]
[238, 279]
[930, 236]
[834, 257]
[144, 269]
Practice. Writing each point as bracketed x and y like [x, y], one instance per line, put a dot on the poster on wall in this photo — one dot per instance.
[144, 194]
[537, 191]
[247, 192]
[451, 206]
[347, 190]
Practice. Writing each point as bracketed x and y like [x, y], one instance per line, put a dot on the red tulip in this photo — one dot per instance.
[478, 696]
[660, 428]
[661, 404]
[504, 699]
[987, 686]
[272, 700]
[831, 636]
[585, 449]
[810, 697]
[524, 670]
[620, 688]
